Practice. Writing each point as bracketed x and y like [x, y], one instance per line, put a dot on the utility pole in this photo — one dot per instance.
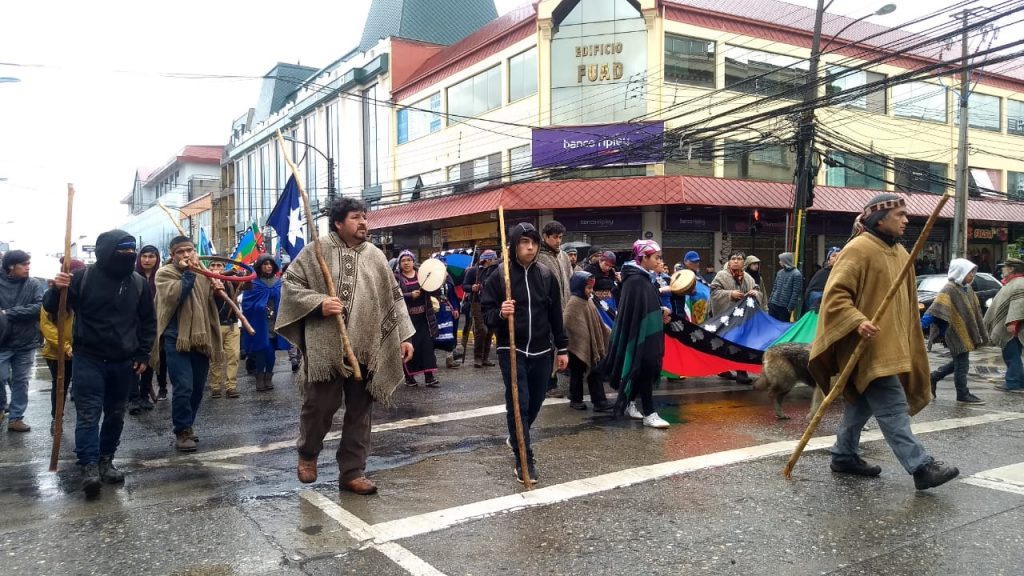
[805, 143]
[962, 171]
[331, 190]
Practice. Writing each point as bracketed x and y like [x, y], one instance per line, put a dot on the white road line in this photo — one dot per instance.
[441, 519]
[1007, 479]
[366, 536]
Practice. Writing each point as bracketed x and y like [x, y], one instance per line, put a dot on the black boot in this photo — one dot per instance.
[91, 482]
[108, 472]
[934, 474]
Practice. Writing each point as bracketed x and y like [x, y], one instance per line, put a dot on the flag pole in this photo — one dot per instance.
[62, 314]
[346, 344]
[510, 252]
[844, 376]
[219, 293]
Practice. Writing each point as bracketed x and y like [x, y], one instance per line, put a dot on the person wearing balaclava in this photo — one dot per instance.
[957, 305]
[21, 297]
[789, 283]
[114, 332]
[816, 287]
[890, 380]
[188, 332]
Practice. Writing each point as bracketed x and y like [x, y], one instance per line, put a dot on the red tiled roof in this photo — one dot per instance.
[201, 154]
[658, 190]
[497, 35]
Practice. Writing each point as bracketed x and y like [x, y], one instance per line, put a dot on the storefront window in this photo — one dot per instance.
[840, 79]
[475, 96]
[689, 61]
[920, 100]
[763, 73]
[1015, 117]
[982, 110]
[918, 176]
[855, 171]
[754, 161]
[522, 75]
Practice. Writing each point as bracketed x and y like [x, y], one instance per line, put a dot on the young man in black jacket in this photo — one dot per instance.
[113, 332]
[536, 306]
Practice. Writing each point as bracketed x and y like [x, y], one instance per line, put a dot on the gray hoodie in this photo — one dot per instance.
[20, 300]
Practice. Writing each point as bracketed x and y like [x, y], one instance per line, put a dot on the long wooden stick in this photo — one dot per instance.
[346, 344]
[510, 252]
[62, 336]
[844, 376]
[218, 293]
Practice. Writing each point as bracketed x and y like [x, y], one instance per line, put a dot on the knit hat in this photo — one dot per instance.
[751, 260]
[405, 253]
[691, 256]
[178, 241]
[643, 248]
[488, 255]
[15, 257]
[609, 257]
[832, 251]
[876, 209]
[571, 251]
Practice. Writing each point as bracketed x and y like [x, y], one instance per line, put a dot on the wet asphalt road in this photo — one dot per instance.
[706, 496]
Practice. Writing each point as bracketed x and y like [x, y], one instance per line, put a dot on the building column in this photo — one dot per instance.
[715, 257]
[821, 248]
[652, 221]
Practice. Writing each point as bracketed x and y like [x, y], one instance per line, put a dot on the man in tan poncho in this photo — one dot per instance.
[378, 326]
[891, 380]
[1003, 323]
[188, 329]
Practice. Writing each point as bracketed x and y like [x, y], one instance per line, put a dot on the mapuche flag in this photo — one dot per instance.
[746, 324]
[288, 220]
[250, 246]
[692, 351]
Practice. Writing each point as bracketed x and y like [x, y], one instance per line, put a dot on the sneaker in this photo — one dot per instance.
[1004, 388]
[432, 384]
[654, 420]
[215, 393]
[231, 393]
[18, 426]
[858, 467]
[91, 482]
[184, 442]
[295, 366]
[934, 474]
[531, 468]
[489, 363]
[108, 472]
[578, 405]
[632, 411]
[508, 442]
[605, 406]
[411, 383]
[970, 399]
[161, 395]
[554, 393]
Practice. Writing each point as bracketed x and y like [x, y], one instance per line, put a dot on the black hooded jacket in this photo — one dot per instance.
[114, 315]
[538, 317]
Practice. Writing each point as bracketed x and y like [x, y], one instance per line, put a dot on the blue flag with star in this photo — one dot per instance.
[288, 220]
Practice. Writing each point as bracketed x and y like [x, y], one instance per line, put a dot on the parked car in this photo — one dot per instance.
[929, 285]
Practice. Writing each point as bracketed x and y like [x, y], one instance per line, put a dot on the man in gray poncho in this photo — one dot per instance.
[368, 298]
[1003, 323]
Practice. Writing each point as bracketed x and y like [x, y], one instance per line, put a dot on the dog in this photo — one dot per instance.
[782, 367]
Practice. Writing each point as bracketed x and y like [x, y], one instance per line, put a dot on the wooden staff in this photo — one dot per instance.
[844, 376]
[62, 338]
[346, 344]
[510, 252]
[218, 293]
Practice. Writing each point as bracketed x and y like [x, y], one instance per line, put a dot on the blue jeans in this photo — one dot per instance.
[100, 390]
[958, 367]
[532, 374]
[264, 359]
[1011, 356]
[15, 367]
[187, 372]
[885, 399]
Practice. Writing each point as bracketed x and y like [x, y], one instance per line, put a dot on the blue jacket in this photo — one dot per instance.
[789, 285]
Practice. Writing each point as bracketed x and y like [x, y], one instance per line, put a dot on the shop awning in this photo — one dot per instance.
[660, 190]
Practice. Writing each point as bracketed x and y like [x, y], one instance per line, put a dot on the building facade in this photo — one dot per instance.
[185, 185]
[675, 120]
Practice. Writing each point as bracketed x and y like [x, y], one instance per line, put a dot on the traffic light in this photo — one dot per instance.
[755, 221]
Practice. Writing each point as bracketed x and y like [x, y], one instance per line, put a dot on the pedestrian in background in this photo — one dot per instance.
[483, 335]
[51, 347]
[1003, 323]
[224, 372]
[731, 285]
[260, 303]
[189, 333]
[605, 276]
[552, 256]
[21, 298]
[816, 287]
[752, 266]
[147, 265]
[957, 305]
[789, 284]
[588, 344]
[114, 332]
[421, 312]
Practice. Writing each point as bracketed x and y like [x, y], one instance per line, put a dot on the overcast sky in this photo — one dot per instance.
[93, 101]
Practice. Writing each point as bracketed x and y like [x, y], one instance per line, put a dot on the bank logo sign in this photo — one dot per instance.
[598, 145]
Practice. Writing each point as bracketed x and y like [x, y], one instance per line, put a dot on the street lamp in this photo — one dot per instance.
[806, 171]
[331, 191]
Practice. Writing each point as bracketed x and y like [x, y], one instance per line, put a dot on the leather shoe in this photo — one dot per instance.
[605, 406]
[856, 467]
[307, 471]
[934, 474]
[361, 486]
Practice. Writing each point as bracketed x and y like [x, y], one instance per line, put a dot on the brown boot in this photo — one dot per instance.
[268, 381]
[361, 486]
[261, 382]
[307, 470]
[184, 442]
[214, 392]
[18, 426]
[231, 393]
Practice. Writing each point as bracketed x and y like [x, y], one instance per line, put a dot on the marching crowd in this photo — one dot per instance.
[132, 319]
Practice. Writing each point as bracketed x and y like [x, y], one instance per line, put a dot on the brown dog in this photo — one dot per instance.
[783, 366]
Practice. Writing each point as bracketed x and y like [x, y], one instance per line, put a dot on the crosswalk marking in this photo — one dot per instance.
[1006, 479]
